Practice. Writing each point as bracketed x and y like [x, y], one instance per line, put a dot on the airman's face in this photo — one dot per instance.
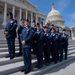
[52, 31]
[45, 29]
[9, 16]
[57, 29]
[33, 23]
[26, 23]
[38, 27]
[63, 32]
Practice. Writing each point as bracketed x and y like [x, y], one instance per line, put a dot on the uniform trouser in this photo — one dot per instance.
[39, 53]
[27, 58]
[54, 52]
[60, 52]
[20, 46]
[65, 49]
[47, 54]
[11, 46]
[34, 48]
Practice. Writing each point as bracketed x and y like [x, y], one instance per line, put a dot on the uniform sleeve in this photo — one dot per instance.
[21, 37]
[19, 30]
[67, 37]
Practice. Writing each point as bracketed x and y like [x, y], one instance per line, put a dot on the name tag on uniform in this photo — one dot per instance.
[56, 37]
[53, 34]
[11, 22]
[38, 32]
[27, 30]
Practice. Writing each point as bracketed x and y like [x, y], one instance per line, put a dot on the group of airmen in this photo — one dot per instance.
[42, 40]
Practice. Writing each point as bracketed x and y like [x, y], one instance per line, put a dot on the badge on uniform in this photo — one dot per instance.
[38, 32]
[11, 21]
[47, 35]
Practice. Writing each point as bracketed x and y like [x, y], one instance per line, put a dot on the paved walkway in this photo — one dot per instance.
[66, 69]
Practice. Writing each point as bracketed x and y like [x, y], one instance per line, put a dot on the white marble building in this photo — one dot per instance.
[25, 9]
[55, 18]
[19, 8]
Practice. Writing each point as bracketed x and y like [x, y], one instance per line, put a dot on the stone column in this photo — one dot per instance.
[20, 15]
[71, 34]
[26, 14]
[36, 18]
[13, 11]
[5, 14]
[31, 17]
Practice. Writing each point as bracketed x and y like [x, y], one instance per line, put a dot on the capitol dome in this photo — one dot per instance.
[55, 17]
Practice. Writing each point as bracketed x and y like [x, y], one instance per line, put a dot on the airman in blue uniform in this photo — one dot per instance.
[53, 44]
[34, 29]
[46, 46]
[38, 40]
[10, 33]
[20, 28]
[59, 44]
[64, 40]
[26, 39]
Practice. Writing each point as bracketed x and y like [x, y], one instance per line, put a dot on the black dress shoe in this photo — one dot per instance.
[23, 70]
[19, 54]
[60, 60]
[39, 67]
[36, 66]
[26, 72]
[65, 58]
[47, 64]
[7, 56]
[55, 62]
[12, 57]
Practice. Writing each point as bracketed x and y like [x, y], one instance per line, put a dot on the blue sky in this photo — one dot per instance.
[65, 7]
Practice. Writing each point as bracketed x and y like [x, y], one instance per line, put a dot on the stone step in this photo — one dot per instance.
[4, 51]
[13, 67]
[4, 54]
[5, 48]
[4, 61]
[16, 67]
[5, 45]
[45, 69]
[5, 42]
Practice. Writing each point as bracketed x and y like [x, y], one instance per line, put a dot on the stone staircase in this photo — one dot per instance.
[13, 67]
